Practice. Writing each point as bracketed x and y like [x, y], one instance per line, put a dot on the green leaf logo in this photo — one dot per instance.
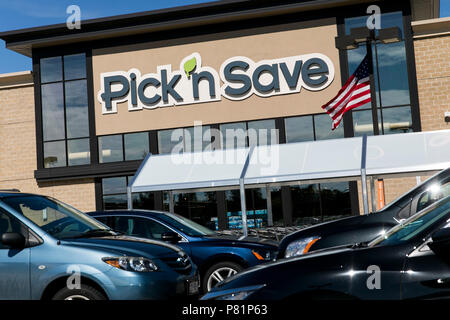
[189, 66]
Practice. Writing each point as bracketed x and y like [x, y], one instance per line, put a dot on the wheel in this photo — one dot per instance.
[85, 293]
[219, 272]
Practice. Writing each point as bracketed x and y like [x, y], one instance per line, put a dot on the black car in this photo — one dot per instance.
[216, 256]
[410, 261]
[366, 227]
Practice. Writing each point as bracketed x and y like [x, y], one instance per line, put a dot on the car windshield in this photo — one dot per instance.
[56, 218]
[185, 225]
[413, 226]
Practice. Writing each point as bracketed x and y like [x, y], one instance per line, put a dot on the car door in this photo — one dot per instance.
[14, 264]
[425, 276]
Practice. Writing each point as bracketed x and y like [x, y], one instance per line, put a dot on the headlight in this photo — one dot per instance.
[299, 247]
[263, 255]
[138, 264]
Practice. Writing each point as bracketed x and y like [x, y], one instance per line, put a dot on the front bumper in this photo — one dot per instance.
[157, 285]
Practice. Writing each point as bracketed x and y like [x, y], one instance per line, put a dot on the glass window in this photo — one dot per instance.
[200, 207]
[77, 109]
[299, 129]
[234, 135]
[114, 185]
[8, 224]
[197, 138]
[390, 75]
[54, 154]
[54, 217]
[168, 139]
[78, 152]
[277, 207]
[322, 124]
[262, 132]
[144, 200]
[305, 204]
[136, 146]
[51, 69]
[64, 110]
[113, 202]
[75, 66]
[110, 148]
[256, 202]
[140, 227]
[363, 124]
[52, 111]
[335, 199]
[397, 120]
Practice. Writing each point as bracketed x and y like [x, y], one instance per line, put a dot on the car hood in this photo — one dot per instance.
[237, 241]
[298, 259]
[127, 245]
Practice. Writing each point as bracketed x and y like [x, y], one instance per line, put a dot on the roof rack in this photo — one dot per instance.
[12, 190]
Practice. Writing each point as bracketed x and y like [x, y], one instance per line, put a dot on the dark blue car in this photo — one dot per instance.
[217, 256]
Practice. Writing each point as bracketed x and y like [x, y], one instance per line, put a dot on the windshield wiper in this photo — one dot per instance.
[95, 233]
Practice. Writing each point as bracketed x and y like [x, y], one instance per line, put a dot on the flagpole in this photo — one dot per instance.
[376, 130]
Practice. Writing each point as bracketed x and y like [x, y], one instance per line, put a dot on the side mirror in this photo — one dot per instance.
[13, 240]
[441, 243]
[170, 237]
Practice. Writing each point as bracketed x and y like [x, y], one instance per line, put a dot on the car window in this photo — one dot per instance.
[54, 217]
[140, 227]
[433, 194]
[103, 220]
[8, 224]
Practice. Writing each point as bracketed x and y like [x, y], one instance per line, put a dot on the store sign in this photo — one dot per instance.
[237, 79]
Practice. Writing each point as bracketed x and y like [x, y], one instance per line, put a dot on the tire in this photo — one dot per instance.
[221, 270]
[85, 293]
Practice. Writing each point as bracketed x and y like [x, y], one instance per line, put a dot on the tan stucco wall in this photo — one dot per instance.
[18, 150]
[257, 44]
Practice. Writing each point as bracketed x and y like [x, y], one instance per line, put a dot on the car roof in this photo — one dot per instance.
[126, 212]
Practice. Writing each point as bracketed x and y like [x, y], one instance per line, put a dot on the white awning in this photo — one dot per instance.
[327, 159]
[408, 152]
[208, 169]
[342, 159]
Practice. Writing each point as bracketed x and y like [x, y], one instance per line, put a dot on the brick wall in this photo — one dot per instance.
[433, 80]
[18, 152]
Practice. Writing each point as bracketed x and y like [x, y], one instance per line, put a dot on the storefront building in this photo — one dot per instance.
[219, 75]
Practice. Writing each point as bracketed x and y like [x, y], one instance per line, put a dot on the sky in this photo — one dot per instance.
[18, 14]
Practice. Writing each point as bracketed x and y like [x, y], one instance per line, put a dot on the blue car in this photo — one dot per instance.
[49, 250]
[216, 256]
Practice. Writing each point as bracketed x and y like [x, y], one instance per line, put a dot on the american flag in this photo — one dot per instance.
[354, 93]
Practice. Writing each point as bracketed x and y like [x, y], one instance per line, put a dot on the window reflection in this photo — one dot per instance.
[299, 129]
[165, 142]
[110, 148]
[234, 135]
[75, 66]
[114, 185]
[262, 132]
[397, 120]
[322, 124]
[77, 109]
[78, 152]
[54, 154]
[52, 111]
[51, 69]
[390, 73]
[136, 146]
